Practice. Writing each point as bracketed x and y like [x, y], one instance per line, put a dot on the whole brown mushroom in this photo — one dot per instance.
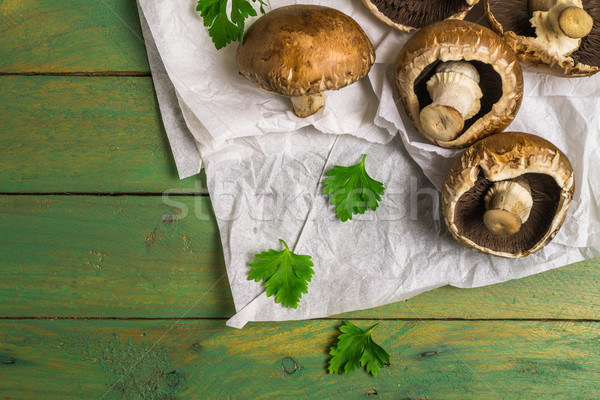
[508, 194]
[556, 37]
[459, 82]
[300, 51]
[406, 15]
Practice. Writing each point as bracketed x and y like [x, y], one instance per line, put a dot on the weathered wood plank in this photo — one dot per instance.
[128, 256]
[90, 256]
[202, 359]
[70, 36]
[84, 134]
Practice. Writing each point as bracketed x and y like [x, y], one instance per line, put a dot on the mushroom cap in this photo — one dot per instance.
[500, 157]
[511, 19]
[304, 49]
[501, 77]
[407, 15]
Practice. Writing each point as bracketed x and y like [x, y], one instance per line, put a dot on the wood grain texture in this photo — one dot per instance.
[105, 256]
[146, 256]
[85, 134]
[121, 259]
[43, 359]
[70, 36]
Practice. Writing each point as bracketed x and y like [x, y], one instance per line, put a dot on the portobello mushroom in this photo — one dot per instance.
[508, 194]
[459, 82]
[300, 51]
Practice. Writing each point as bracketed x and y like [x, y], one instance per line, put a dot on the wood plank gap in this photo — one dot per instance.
[576, 320]
[115, 318]
[108, 194]
[77, 73]
[451, 319]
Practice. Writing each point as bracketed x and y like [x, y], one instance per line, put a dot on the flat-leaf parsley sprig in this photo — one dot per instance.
[285, 274]
[355, 348]
[224, 29]
[352, 190]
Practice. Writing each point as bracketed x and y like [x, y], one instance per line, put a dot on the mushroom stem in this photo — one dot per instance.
[508, 204]
[560, 24]
[455, 94]
[307, 105]
[575, 22]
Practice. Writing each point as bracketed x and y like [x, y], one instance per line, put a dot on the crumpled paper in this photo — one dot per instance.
[265, 169]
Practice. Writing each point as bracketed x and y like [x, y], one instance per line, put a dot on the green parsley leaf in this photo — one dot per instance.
[224, 29]
[285, 274]
[355, 348]
[352, 190]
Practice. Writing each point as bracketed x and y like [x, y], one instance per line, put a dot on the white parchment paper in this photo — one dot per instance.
[265, 169]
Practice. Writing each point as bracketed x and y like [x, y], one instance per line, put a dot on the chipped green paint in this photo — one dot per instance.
[132, 371]
[93, 259]
[290, 366]
[166, 233]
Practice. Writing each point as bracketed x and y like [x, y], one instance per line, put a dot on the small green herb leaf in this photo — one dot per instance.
[352, 190]
[285, 274]
[221, 28]
[355, 348]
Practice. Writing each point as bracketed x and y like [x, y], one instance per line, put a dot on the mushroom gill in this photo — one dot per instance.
[589, 49]
[418, 13]
[471, 210]
[515, 16]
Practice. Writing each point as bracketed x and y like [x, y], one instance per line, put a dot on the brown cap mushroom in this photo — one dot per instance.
[508, 194]
[458, 82]
[557, 37]
[407, 15]
[300, 51]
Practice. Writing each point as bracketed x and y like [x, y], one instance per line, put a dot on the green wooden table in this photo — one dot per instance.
[104, 295]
